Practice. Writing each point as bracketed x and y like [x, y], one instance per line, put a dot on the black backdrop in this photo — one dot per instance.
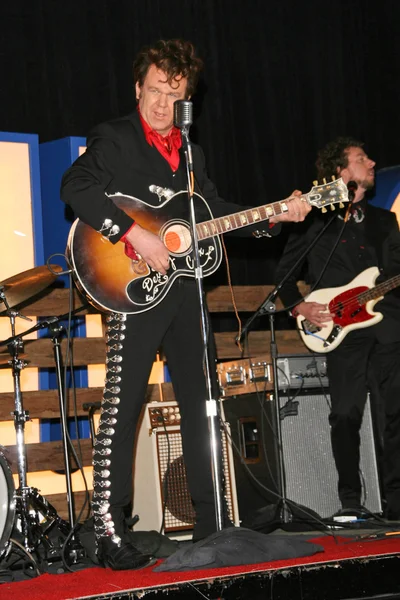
[281, 78]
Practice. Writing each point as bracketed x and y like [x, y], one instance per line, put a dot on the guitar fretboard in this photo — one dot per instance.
[379, 290]
[242, 218]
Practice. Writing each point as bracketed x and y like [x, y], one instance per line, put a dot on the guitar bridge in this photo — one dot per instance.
[336, 330]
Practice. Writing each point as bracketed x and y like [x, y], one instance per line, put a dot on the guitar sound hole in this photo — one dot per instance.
[176, 237]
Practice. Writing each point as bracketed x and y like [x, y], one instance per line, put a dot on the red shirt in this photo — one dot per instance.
[168, 146]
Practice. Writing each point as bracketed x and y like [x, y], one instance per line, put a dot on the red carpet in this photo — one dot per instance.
[96, 581]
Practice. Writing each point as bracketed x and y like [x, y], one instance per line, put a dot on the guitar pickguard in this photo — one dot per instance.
[151, 288]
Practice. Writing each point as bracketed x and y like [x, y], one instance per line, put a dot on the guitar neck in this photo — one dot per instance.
[242, 218]
[379, 290]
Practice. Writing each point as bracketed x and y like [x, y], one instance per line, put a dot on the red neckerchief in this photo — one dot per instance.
[168, 146]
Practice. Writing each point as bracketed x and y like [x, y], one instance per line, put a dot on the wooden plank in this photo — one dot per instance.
[85, 351]
[44, 404]
[288, 342]
[44, 456]
[59, 502]
[55, 300]
[91, 351]
[247, 298]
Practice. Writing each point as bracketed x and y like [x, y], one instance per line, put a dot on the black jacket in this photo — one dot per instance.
[119, 159]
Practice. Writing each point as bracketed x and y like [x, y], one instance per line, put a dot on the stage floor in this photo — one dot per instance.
[352, 564]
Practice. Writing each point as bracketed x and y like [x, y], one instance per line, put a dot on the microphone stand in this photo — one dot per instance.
[268, 306]
[211, 403]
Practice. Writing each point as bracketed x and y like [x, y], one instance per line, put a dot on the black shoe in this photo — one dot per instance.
[121, 557]
[353, 513]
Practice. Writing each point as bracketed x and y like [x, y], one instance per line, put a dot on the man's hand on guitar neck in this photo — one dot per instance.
[298, 209]
[150, 247]
[316, 313]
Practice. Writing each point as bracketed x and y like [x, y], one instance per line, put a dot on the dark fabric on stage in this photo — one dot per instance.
[237, 546]
[147, 542]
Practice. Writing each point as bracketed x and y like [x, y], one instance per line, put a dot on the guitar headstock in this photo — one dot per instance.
[328, 194]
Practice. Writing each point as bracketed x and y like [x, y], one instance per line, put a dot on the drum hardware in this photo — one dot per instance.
[35, 515]
[7, 503]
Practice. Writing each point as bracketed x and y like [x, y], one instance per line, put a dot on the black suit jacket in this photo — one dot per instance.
[119, 159]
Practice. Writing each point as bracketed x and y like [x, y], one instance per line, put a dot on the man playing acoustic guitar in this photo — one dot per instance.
[367, 357]
[140, 156]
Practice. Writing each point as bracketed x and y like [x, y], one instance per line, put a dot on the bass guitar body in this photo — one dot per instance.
[349, 310]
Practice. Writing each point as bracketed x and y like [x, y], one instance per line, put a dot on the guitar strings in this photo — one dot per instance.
[355, 300]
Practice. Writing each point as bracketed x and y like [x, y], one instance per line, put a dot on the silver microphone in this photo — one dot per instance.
[183, 113]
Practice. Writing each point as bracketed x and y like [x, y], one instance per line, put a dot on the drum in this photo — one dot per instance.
[7, 502]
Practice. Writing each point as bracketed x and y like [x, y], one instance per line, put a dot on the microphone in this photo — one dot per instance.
[352, 188]
[183, 114]
[183, 118]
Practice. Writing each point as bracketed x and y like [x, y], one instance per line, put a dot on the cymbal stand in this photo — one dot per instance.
[56, 331]
[20, 418]
[30, 505]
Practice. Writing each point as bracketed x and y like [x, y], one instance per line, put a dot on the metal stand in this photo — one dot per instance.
[56, 330]
[211, 403]
[37, 516]
[268, 306]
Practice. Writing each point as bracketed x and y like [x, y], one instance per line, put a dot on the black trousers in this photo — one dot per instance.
[360, 360]
[174, 324]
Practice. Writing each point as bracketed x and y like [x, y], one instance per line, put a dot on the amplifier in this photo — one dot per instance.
[305, 371]
[245, 376]
[251, 375]
[161, 496]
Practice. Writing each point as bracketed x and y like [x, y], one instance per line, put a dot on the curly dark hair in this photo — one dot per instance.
[177, 58]
[334, 156]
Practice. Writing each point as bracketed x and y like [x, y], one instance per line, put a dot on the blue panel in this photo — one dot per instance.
[387, 187]
[55, 158]
[167, 376]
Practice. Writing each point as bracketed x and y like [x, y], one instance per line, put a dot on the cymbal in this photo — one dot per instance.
[21, 287]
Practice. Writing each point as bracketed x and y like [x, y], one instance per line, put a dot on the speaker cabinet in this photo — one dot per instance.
[311, 477]
[160, 475]
[253, 437]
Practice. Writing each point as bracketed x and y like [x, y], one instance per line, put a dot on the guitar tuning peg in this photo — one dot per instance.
[341, 205]
[332, 207]
[324, 179]
[323, 209]
[315, 182]
[333, 178]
